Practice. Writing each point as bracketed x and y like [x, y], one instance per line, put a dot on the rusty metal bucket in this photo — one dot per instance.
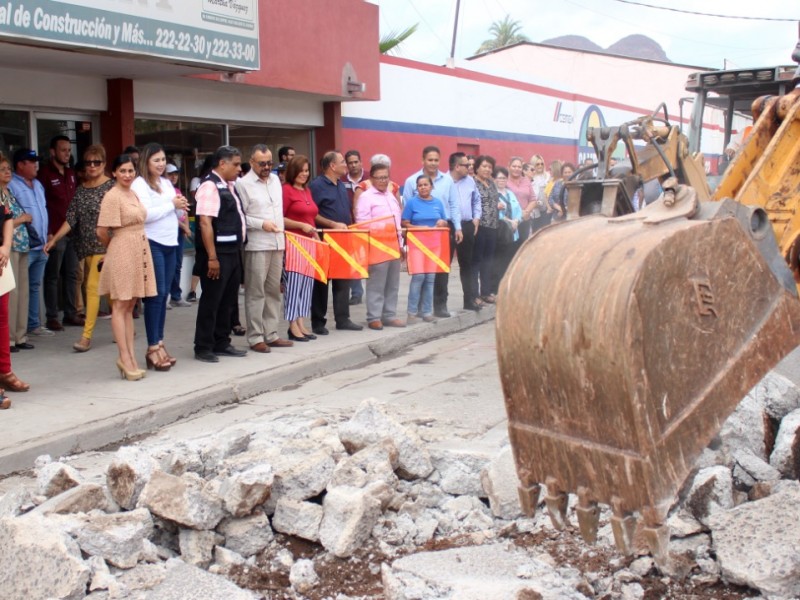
[624, 344]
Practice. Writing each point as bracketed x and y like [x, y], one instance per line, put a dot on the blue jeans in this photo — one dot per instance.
[37, 261]
[155, 307]
[175, 291]
[356, 289]
[421, 285]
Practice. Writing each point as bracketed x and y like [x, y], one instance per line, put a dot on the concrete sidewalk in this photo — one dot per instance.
[78, 402]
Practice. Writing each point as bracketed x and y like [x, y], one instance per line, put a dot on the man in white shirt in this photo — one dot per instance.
[262, 201]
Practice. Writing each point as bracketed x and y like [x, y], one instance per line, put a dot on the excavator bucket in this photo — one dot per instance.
[624, 344]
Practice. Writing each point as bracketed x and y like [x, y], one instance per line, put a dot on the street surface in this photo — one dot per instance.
[448, 386]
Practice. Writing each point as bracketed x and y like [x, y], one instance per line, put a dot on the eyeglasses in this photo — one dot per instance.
[264, 163]
[93, 163]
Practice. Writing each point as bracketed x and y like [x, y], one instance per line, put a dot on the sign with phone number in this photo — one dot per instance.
[216, 33]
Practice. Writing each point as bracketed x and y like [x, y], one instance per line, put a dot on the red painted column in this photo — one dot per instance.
[329, 136]
[116, 123]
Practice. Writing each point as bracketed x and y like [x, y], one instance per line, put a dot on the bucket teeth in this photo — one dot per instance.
[556, 502]
[588, 515]
[529, 499]
[623, 525]
[656, 534]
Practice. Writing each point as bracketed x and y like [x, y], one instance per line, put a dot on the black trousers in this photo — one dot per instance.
[219, 299]
[440, 280]
[464, 252]
[341, 302]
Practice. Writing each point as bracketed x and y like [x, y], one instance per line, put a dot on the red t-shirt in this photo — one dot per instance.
[298, 205]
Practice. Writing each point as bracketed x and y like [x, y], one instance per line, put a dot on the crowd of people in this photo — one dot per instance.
[117, 230]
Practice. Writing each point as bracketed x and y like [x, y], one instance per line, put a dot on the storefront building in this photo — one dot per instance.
[189, 74]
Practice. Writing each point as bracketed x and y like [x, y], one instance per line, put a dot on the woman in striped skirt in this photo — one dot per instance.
[299, 211]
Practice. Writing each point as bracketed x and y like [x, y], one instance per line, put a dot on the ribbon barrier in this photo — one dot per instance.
[349, 257]
[383, 241]
[428, 250]
[307, 256]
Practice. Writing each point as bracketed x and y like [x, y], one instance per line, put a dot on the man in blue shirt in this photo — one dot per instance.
[335, 212]
[30, 193]
[465, 196]
[431, 156]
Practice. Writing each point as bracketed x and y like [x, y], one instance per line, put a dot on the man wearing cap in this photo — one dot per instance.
[262, 203]
[59, 183]
[30, 194]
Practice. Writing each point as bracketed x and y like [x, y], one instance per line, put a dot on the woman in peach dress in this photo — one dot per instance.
[127, 271]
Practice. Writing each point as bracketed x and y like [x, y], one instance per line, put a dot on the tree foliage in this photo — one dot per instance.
[506, 33]
[390, 42]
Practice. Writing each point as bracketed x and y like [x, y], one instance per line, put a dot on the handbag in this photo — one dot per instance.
[33, 236]
[7, 281]
[505, 232]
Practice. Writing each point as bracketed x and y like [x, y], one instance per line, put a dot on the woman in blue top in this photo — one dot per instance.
[510, 211]
[422, 210]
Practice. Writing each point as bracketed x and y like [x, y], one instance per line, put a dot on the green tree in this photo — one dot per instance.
[506, 33]
[389, 43]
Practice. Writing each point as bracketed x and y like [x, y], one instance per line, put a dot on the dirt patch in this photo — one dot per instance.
[360, 576]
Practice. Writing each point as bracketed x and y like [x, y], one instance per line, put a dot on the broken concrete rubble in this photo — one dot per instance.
[184, 500]
[55, 477]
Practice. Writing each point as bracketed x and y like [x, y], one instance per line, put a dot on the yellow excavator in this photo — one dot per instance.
[626, 338]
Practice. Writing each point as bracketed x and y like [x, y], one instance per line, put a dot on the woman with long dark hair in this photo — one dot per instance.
[299, 211]
[161, 202]
[127, 270]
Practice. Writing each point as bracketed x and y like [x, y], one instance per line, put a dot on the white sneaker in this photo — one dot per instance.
[41, 331]
[179, 303]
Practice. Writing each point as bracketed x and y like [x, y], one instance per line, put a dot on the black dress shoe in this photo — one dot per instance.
[320, 330]
[355, 300]
[349, 326]
[24, 346]
[208, 357]
[230, 351]
[442, 314]
[296, 338]
[13, 349]
[472, 306]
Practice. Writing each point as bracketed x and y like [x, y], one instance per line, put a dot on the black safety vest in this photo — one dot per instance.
[227, 224]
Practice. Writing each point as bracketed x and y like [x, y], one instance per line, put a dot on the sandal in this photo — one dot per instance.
[5, 402]
[155, 359]
[490, 299]
[239, 330]
[172, 360]
[478, 302]
[12, 383]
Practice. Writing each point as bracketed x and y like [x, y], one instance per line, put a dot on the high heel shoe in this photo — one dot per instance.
[309, 336]
[296, 338]
[172, 360]
[129, 375]
[155, 359]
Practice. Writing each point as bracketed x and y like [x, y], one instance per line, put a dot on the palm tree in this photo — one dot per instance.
[506, 33]
[389, 43]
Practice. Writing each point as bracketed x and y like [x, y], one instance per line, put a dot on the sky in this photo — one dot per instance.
[687, 39]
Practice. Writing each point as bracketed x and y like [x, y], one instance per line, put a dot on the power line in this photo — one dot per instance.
[702, 14]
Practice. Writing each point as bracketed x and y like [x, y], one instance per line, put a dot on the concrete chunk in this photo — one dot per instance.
[49, 557]
[348, 518]
[296, 517]
[460, 470]
[711, 492]
[185, 581]
[54, 478]
[126, 476]
[786, 453]
[118, 538]
[186, 500]
[371, 424]
[758, 544]
[80, 499]
[500, 484]
[242, 492]
[247, 536]
[197, 547]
